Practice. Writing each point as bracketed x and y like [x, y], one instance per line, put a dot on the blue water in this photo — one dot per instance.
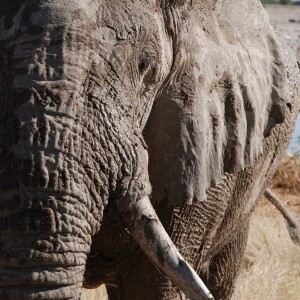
[294, 145]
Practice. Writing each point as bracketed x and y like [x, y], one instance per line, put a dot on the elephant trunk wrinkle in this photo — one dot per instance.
[32, 292]
[42, 266]
[66, 168]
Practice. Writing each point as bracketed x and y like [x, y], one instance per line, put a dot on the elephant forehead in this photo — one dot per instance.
[64, 12]
[105, 21]
[44, 12]
[73, 12]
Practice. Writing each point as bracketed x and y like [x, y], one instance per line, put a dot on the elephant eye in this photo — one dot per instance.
[148, 63]
[143, 66]
[147, 69]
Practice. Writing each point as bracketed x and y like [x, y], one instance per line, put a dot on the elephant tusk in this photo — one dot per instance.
[293, 222]
[157, 245]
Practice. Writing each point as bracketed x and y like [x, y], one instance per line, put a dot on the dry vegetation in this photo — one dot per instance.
[271, 268]
[96, 294]
[287, 176]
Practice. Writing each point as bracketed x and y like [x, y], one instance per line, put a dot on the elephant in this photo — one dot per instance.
[136, 138]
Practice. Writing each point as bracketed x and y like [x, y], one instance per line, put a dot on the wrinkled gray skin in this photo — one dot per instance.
[105, 103]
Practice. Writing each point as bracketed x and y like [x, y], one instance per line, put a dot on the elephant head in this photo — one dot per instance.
[89, 90]
[78, 81]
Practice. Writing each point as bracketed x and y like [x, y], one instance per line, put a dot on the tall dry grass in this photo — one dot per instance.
[287, 175]
[271, 267]
[95, 294]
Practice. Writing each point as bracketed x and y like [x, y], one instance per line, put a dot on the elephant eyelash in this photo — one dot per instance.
[143, 66]
[147, 59]
[147, 69]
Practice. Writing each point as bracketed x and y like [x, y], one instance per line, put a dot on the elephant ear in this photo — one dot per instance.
[226, 91]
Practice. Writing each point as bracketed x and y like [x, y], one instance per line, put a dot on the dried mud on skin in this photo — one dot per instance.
[271, 258]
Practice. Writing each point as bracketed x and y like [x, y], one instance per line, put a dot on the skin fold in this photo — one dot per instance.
[127, 126]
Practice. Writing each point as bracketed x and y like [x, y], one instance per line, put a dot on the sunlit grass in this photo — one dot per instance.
[271, 267]
[95, 294]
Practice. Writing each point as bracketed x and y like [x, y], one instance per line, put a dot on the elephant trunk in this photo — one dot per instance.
[49, 276]
[44, 242]
[50, 204]
[60, 156]
[47, 215]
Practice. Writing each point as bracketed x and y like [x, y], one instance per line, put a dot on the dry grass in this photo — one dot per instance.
[96, 294]
[287, 176]
[271, 268]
